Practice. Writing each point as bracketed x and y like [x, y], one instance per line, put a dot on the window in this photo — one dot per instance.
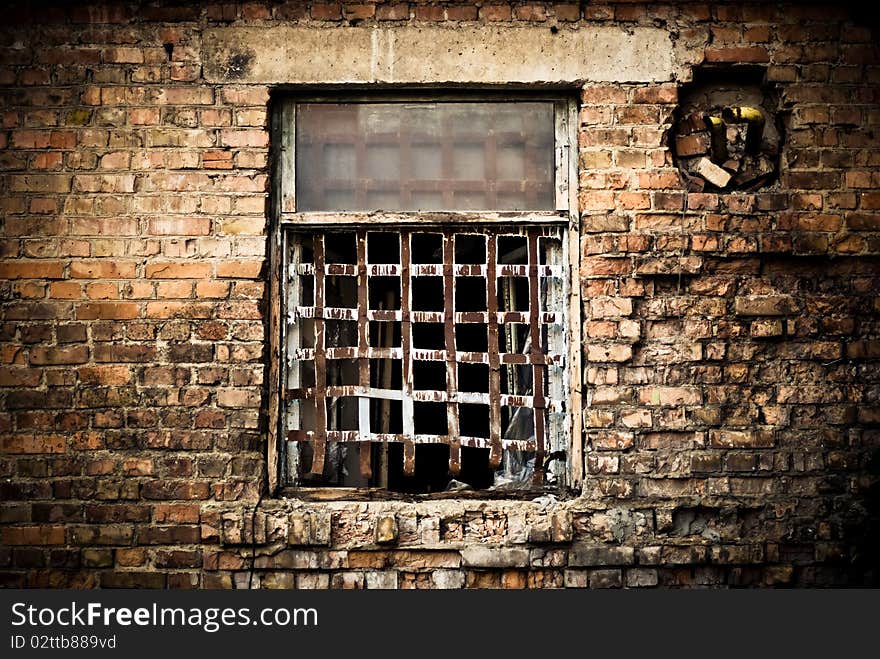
[423, 293]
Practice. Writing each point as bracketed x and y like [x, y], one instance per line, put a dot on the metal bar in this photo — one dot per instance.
[319, 440]
[427, 317]
[406, 334]
[421, 395]
[341, 269]
[353, 436]
[494, 361]
[536, 353]
[409, 455]
[386, 337]
[449, 332]
[364, 466]
[424, 354]
[475, 270]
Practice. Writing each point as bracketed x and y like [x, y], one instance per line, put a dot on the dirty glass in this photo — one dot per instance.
[425, 156]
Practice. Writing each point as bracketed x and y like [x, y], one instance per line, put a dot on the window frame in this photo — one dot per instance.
[284, 217]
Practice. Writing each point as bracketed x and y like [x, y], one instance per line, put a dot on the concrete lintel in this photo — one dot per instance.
[435, 55]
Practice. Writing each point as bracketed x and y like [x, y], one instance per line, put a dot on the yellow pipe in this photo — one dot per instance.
[755, 120]
[718, 132]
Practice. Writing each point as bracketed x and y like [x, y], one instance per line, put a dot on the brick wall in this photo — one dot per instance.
[731, 340]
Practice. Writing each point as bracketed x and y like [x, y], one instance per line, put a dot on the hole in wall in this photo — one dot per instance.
[728, 133]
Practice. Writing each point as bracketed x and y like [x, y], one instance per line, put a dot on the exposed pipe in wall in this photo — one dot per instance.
[755, 120]
[718, 131]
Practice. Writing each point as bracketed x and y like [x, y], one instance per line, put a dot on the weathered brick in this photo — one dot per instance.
[54, 356]
[766, 305]
[494, 557]
[593, 555]
[741, 438]
[177, 270]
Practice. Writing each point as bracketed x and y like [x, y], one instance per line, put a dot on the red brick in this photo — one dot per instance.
[496, 12]
[115, 160]
[531, 12]
[217, 160]
[612, 440]
[50, 160]
[358, 11]
[657, 94]
[395, 12]
[212, 289]
[429, 13]
[32, 535]
[108, 311]
[239, 269]
[31, 139]
[187, 96]
[244, 137]
[138, 467]
[741, 438]
[102, 290]
[104, 375]
[461, 13]
[666, 396]
[179, 226]
[567, 12]
[327, 11]
[55, 356]
[20, 377]
[659, 179]
[65, 290]
[123, 55]
[692, 145]
[176, 513]
[254, 11]
[171, 289]
[177, 270]
[734, 55]
[26, 269]
[104, 269]
[143, 116]
[33, 444]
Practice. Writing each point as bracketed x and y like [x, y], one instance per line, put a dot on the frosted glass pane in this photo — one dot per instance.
[383, 162]
[339, 159]
[425, 156]
[469, 161]
[511, 162]
[427, 161]
[427, 201]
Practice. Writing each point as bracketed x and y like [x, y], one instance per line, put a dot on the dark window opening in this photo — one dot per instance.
[430, 385]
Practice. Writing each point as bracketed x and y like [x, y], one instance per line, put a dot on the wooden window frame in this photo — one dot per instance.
[284, 217]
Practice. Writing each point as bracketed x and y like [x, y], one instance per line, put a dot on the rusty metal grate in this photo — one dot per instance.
[413, 337]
